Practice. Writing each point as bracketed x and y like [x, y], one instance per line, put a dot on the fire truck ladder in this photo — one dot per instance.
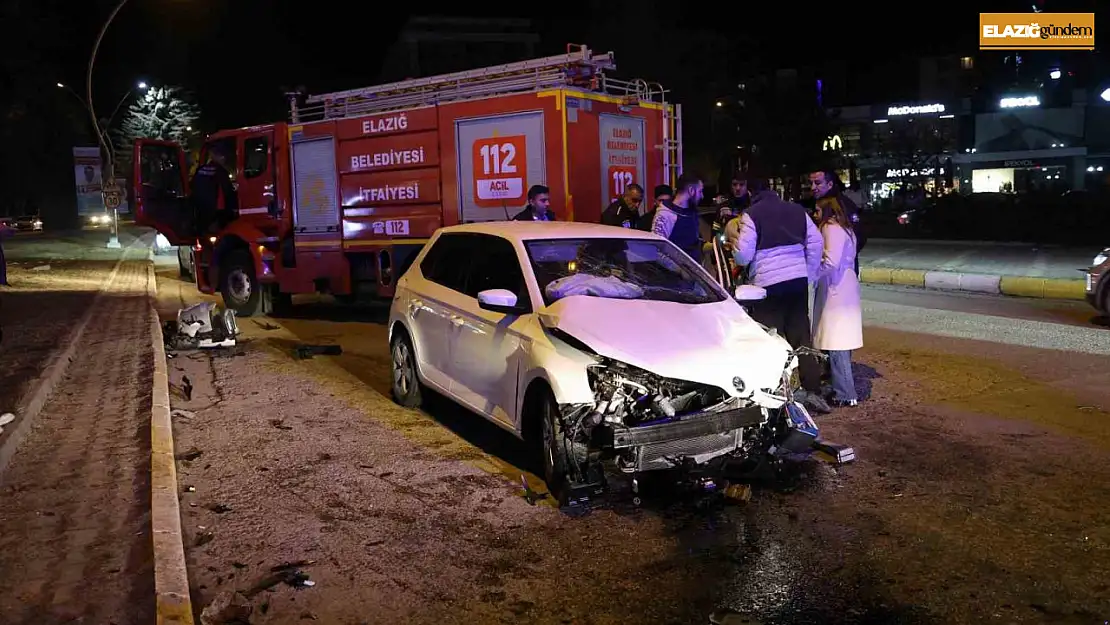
[578, 67]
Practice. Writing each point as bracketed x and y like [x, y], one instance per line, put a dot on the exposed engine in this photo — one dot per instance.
[629, 396]
[646, 422]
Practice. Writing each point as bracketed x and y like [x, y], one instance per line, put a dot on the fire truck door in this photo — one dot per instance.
[161, 190]
[257, 182]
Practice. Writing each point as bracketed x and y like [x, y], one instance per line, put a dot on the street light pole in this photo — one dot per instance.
[109, 174]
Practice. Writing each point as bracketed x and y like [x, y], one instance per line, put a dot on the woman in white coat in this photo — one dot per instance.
[837, 313]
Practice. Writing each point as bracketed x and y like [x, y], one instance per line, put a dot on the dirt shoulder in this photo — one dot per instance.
[76, 542]
[977, 497]
[38, 314]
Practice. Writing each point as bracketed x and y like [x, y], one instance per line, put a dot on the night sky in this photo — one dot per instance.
[236, 55]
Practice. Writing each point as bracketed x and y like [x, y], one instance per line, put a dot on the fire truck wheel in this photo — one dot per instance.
[405, 388]
[238, 284]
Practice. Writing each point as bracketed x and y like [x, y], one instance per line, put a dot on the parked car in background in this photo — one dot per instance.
[1098, 282]
[186, 261]
[99, 220]
[27, 223]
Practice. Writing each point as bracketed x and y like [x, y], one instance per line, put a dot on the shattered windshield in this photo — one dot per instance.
[619, 268]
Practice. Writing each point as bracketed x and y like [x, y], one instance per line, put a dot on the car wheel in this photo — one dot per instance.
[238, 284]
[554, 449]
[406, 388]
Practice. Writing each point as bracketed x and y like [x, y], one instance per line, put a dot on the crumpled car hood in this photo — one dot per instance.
[705, 343]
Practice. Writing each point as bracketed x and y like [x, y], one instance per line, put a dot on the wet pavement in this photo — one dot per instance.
[978, 496]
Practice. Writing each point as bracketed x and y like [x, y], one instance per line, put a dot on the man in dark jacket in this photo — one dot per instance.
[539, 205]
[663, 193]
[625, 212]
[826, 184]
[782, 249]
[213, 193]
[678, 220]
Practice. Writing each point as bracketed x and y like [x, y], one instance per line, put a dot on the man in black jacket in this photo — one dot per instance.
[625, 212]
[539, 205]
[213, 193]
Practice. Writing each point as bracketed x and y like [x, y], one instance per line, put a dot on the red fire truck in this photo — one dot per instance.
[340, 198]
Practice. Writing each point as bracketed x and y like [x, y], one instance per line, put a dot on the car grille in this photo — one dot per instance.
[655, 456]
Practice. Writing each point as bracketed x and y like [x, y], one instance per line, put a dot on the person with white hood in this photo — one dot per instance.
[837, 311]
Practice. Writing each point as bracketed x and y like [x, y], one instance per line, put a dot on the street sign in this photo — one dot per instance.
[113, 197]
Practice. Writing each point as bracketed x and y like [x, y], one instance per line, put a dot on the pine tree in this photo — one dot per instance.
[165, 113]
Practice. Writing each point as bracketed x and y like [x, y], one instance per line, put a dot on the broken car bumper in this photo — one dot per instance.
[700, 438]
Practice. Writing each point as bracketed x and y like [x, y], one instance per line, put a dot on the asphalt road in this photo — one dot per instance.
[978, 496]
[979, 257]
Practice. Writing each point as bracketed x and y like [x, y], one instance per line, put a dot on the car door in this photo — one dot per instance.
[161, 191]
[433, 301]
[486, 345]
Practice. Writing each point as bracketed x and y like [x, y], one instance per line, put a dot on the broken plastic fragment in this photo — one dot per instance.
[6, 418]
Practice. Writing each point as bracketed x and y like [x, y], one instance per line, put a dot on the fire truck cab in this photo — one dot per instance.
[340, 198]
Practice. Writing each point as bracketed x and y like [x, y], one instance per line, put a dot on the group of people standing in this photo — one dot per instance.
[806, 260]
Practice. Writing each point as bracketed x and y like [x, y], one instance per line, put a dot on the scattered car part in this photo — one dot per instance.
[201, 326]
[305, 352]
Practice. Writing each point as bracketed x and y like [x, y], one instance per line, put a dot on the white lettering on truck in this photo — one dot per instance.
[388, 159]
[385, 124]
[389, 193]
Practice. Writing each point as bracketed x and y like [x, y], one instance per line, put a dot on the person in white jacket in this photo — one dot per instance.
[837, 311]
[781, 247]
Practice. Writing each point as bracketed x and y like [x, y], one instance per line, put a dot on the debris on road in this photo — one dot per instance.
[183, 390]
[530, 495]
[738, 492]
[280, 424]
[41, 268]
[204, 538]
[265, 325]
[201, 326]
[305, 352]
[218, 508]
[6, 418]
[182, 414]
[190, 455]
[228, 608]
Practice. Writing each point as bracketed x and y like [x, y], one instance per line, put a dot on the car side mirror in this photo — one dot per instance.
[499, 300]
[750, 293]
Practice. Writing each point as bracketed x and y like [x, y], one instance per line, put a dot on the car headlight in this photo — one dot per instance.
[1102, 256]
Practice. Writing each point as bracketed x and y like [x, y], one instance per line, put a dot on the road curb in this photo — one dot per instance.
[29, 406]
[173, 603]
[1017, 286]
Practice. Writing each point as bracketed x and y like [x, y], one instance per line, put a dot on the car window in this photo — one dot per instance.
[495, 267]
[447, 261]
[619, 268]
[256, 155]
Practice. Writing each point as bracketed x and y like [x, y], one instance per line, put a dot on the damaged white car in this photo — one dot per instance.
[595, 344]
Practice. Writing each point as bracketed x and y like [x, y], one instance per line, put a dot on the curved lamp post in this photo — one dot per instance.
[109, 174]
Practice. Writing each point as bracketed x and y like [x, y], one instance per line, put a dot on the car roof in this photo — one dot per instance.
[531, 230]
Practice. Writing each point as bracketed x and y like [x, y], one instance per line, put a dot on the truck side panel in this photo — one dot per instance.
[612, 146]
[494, 149]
